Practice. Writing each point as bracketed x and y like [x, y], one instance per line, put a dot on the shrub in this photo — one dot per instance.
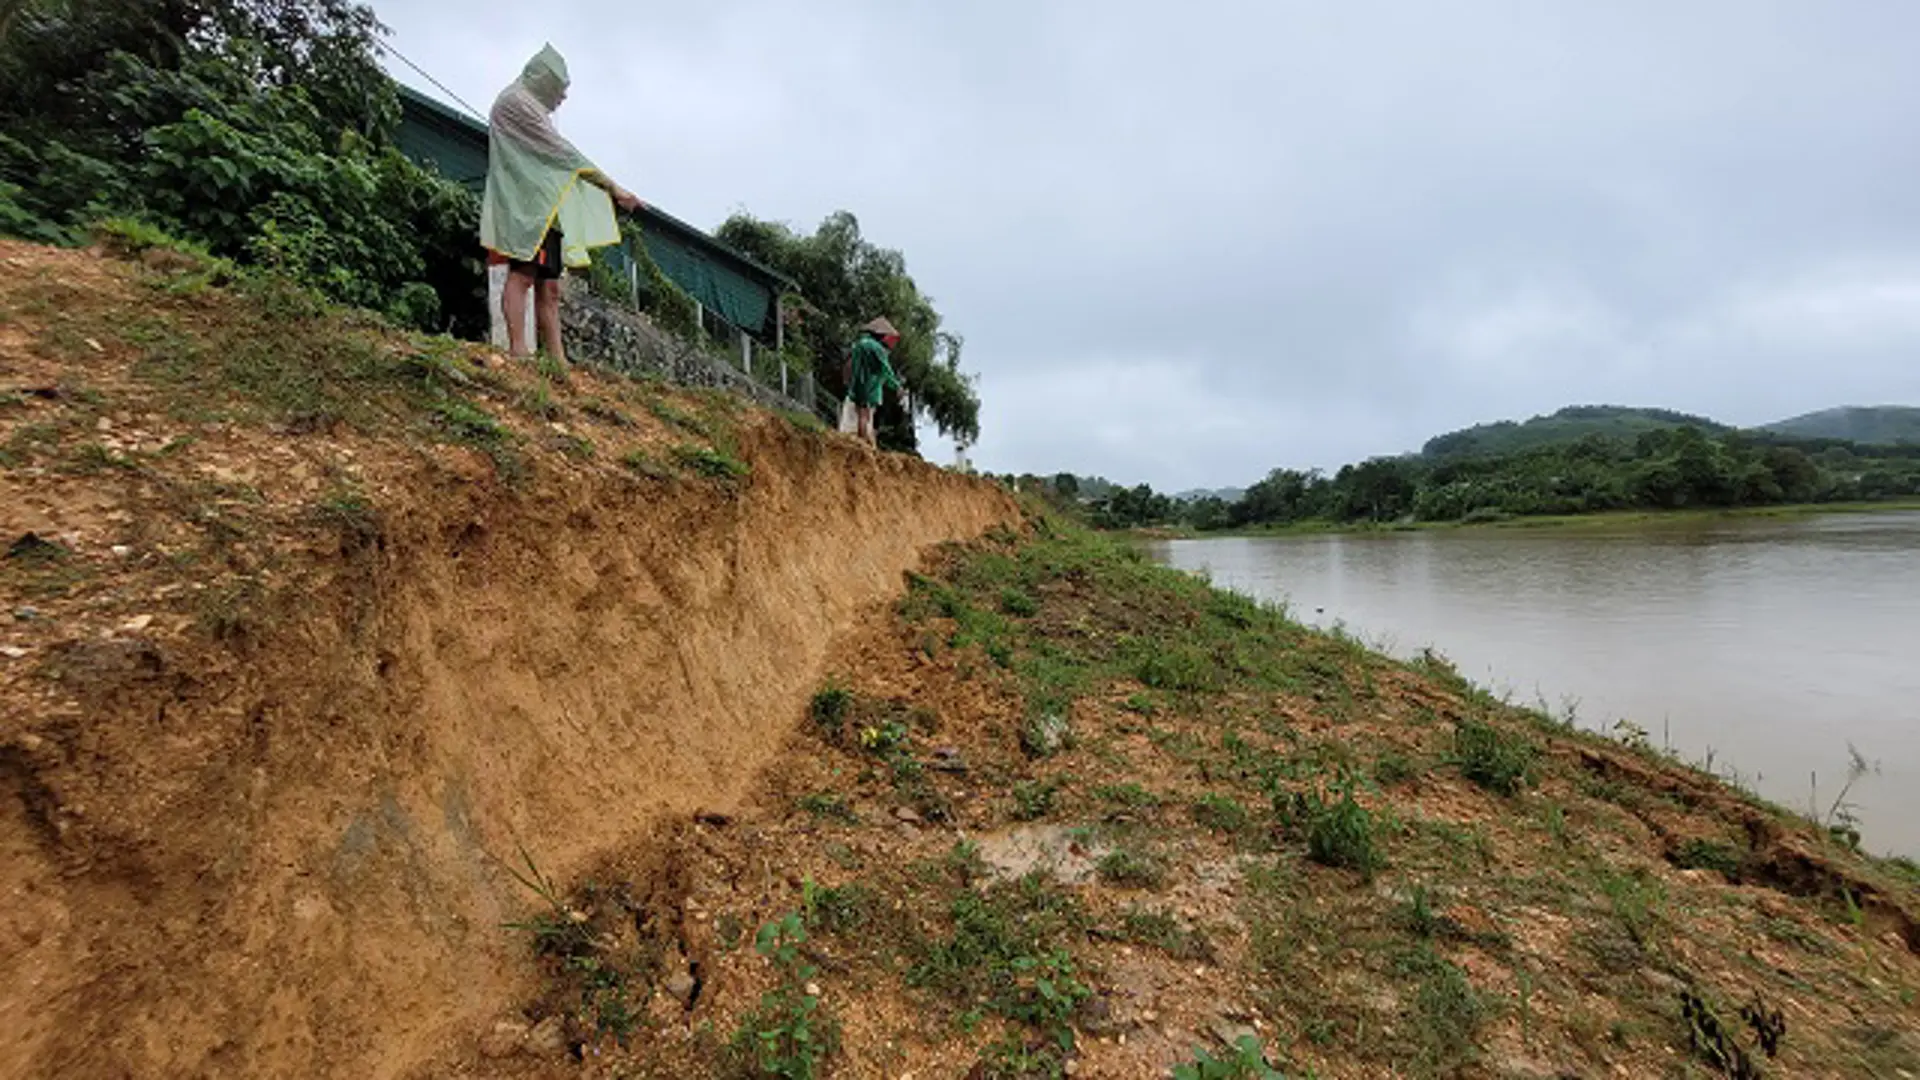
[1340, 833]
[1499, 761]
[830, 706]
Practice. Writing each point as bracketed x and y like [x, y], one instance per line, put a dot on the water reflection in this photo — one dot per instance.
[1772, 643]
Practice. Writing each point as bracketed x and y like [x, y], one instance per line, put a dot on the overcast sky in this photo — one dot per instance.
[1189, 242]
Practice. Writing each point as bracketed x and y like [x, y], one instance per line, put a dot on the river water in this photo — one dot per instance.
[1774, 643]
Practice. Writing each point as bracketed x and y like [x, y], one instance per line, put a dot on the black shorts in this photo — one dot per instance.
[545, 264]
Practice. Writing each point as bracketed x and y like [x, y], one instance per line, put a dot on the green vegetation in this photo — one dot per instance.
[1885, 425]
[1424, 929]
[603, 979]
[790, 1034]
[1221, 813]
[1006, 953]
[1569, 425]
[846, 280]
[1499, 761]
[710, 463]
[1247, 1061]
[263, 131]
[1339, 832]
[1582, 460]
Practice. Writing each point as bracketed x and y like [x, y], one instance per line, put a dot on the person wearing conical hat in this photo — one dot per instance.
[869, 372]
[546, 204]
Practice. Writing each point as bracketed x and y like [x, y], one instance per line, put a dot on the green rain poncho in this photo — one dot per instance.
[871, 373]
[534, 175]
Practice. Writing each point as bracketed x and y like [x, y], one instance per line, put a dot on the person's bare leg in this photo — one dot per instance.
[513, 308]
[548, 314]
[866, 426]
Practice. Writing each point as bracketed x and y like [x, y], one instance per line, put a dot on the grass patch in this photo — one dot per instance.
[606, 412]
[830, 707]
[645, 464]
[1006, 954]
[1394, 768]
[1339, 831]
[1161, 930]
[1501, 762]
[1446, 1011]
[1128, 869]
[837, 910]
[1245, 1060]
[1221, 813]
[790, 1035]
[1033, 799]
[1179, 667]
[829, 806]
[1128, 796]
[538, 402]
[710, 463]
[804, 421]
[1699, 854]
[350, 513]
[665, 412]
[1018, 602]
[465, 422]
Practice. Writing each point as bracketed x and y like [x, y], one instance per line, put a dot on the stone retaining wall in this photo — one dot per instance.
[607, 336]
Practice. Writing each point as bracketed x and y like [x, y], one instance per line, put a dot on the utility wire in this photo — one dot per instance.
[398, 55]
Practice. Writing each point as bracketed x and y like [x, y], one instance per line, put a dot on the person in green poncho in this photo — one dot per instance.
[869, 372]
[546, 205]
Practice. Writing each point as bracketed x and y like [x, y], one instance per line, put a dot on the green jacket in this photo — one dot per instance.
[870, 372]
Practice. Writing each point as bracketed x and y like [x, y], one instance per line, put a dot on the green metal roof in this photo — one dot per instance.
[727, 282]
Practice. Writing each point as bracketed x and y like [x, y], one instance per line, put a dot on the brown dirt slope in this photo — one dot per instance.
[309, 626]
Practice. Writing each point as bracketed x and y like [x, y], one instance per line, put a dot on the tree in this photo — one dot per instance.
[260, 128]
[846, 281]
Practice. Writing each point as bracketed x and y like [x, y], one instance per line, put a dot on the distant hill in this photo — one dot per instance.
[1571, 423]
[1881, 424]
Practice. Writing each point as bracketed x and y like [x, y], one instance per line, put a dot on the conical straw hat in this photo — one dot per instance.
[882, 328]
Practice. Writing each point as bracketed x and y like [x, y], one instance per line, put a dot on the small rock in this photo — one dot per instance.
[12, 652]
[548, 1038]
[813, 989]
[504, 1039]
[947, 759]
[680, 986]
[1073, 1067]
[1230, 1033]
[26, 614]
[1045, 736]
[1149, 1017]
[31, 743]
[136, 624]
[95, 345]
[120, 551]
[907, 814]
[105, 423]
[1095, 1016]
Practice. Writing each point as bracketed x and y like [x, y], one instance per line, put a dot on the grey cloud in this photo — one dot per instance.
[1188, 244]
